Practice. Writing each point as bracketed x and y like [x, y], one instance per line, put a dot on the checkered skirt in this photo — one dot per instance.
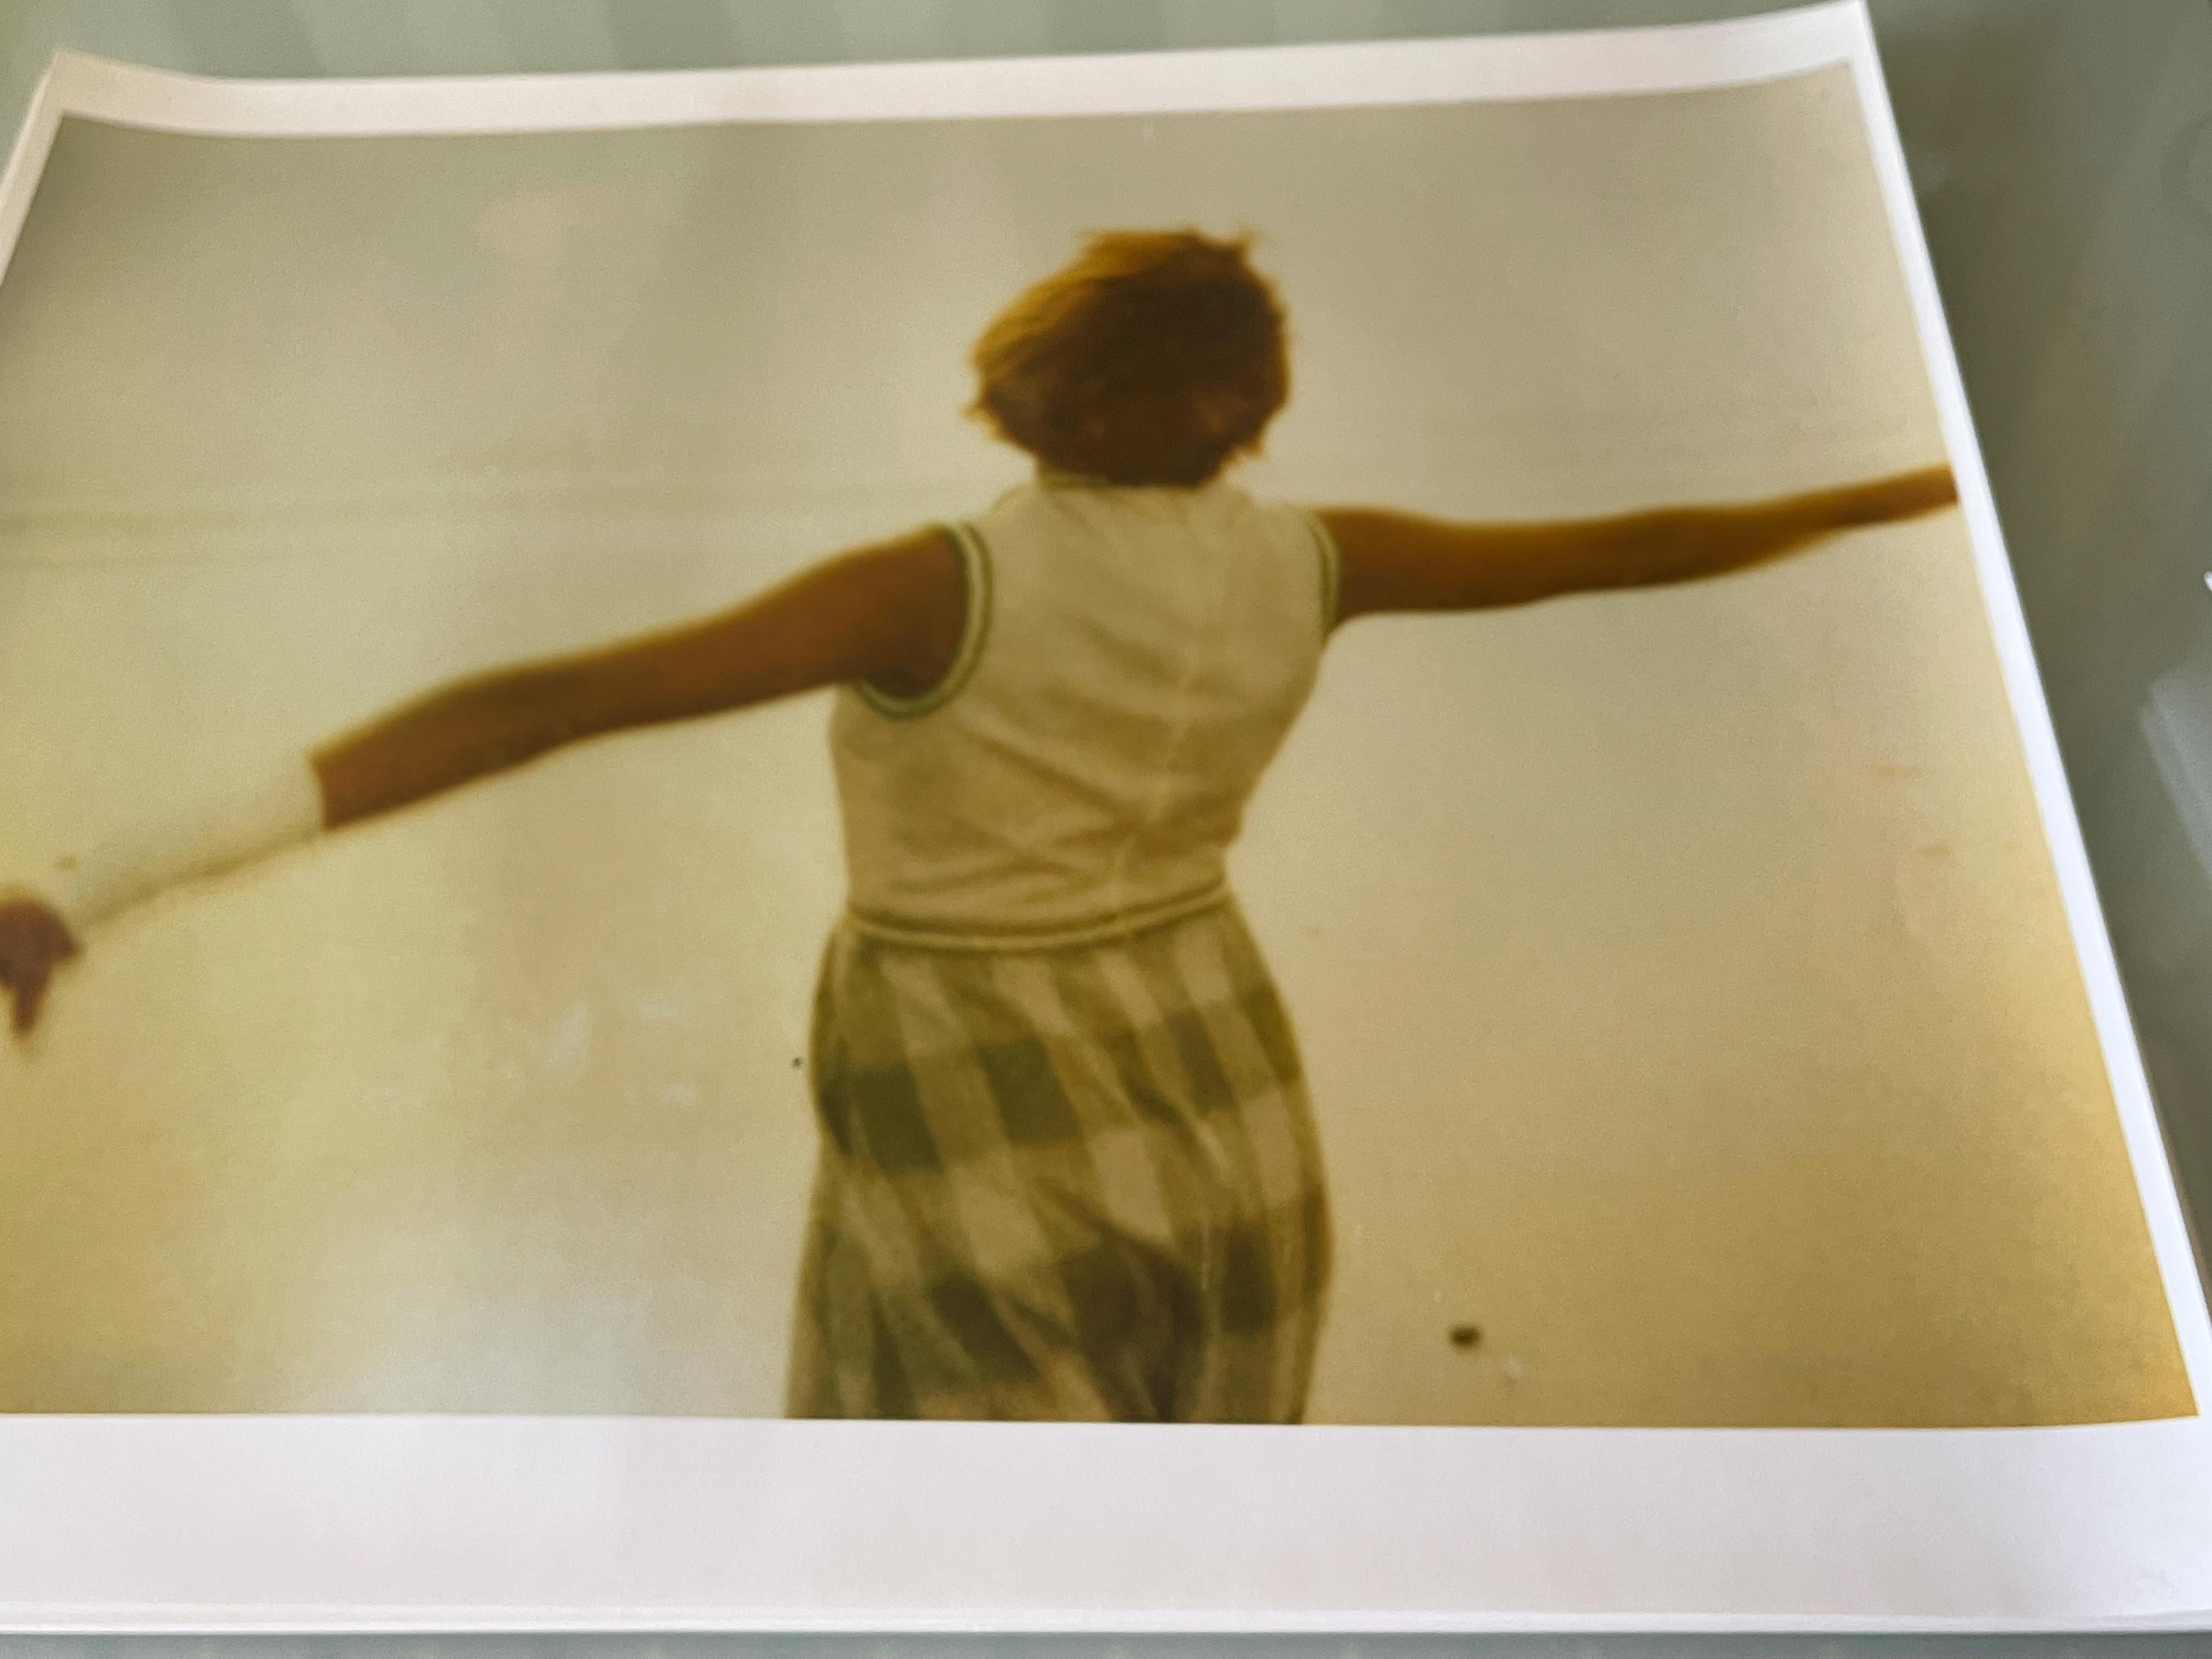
[1073, 1183]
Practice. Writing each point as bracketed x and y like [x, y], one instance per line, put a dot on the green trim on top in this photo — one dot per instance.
[1042, 936]
[1325, 545]
[974, 629]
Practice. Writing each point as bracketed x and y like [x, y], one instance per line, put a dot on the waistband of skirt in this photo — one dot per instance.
[1100, 929]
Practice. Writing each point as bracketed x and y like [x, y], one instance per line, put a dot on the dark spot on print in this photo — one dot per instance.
[1465, 1336]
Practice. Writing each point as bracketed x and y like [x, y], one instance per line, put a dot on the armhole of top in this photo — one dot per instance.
[1331, 561]
[975, 625]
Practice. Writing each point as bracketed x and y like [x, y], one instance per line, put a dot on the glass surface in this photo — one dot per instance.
[2062, 153]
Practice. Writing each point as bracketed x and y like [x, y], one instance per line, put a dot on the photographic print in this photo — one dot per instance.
[1329, 765]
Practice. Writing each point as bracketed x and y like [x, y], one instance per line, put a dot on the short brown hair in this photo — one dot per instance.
[1155, 358]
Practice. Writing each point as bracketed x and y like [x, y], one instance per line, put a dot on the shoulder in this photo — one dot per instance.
[925, 545]
[907, 568]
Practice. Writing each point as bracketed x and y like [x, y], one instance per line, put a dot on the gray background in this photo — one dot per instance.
[2062, 156]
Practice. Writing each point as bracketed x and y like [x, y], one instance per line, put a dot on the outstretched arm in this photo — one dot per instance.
[889, 614]
[1400, 562]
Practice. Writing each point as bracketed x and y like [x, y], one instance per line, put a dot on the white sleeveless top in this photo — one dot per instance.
[1130, 662]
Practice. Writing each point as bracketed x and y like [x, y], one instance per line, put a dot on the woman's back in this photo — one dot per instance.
[1130, 660]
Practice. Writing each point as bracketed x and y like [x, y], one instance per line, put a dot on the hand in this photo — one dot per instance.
[33, 941]
[1901, 496]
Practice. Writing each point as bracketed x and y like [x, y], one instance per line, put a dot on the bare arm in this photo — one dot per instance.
[889, 614]
[1400, 561]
